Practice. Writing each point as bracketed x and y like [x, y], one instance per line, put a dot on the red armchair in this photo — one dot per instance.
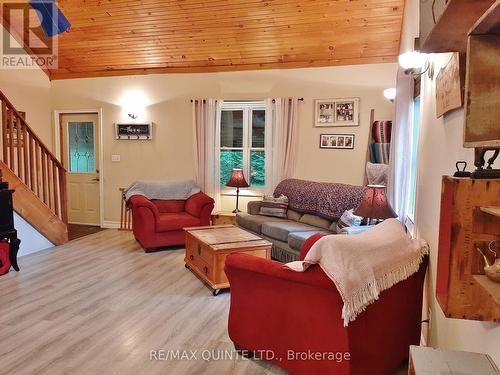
[159, 223]
[289, 318]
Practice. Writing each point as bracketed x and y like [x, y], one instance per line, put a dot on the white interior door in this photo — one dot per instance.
[80, 151]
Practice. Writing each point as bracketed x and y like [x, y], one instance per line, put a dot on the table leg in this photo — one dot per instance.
[14, 248]
[215, 292]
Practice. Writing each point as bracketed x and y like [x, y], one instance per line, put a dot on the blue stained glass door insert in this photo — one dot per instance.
[81, 147]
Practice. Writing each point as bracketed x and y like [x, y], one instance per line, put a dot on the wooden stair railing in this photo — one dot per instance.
[24, 153]
[33, 210]
[125, 212]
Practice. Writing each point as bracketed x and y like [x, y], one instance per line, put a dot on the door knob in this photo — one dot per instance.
[97, 179]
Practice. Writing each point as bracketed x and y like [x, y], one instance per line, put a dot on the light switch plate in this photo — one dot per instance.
[115, 158]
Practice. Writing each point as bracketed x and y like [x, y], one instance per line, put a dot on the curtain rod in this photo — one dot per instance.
[299, 99]
[204, 101]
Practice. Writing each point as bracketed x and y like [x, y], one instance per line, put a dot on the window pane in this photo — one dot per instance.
[81, 147]
[231, 129]
[257, 169]
[414, 158]
[258, 127]
[229, 159]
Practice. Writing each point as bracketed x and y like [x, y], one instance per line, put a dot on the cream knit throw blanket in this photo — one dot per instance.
[363, 265]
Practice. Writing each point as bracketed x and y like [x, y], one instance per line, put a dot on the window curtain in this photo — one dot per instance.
[399, 162]
[282, 140]
[205, 113]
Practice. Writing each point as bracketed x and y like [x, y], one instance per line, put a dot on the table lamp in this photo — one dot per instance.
[238, 181]
[374, 204]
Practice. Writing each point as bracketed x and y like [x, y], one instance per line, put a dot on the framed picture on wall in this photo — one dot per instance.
[336, 112]
[337, 141]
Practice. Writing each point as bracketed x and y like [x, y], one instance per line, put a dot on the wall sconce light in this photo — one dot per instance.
[416, 64]
[390, 94]
[133, 104]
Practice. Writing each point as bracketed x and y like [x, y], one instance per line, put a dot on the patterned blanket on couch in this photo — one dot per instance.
[328, 200]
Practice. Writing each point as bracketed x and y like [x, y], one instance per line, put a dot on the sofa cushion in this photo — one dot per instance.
[333, 227]
[272, 206]
[296, 240]
[254, 222]
[281, 230]
[315, 221]
[348, 219]
[357, 229]
[169, 206]
[293, 215]
[253, 207]
[176, 221]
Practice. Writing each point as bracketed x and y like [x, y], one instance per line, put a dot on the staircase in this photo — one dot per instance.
[35, 173]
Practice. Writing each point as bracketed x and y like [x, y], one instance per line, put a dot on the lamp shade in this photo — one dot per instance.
[374, 204]
[237, 179]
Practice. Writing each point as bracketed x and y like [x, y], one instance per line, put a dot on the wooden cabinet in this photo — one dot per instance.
[482, 82]
[452, 24]
[208, 247]
[467, 222]
[430, 361]
[224, 218]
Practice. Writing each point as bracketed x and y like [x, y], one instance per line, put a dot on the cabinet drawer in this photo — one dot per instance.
[197, 249]
[203, 267]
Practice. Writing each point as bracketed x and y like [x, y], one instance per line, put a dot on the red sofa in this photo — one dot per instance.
[159, 223]
[274, 311]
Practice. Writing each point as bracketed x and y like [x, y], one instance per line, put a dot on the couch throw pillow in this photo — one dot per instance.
[272, 206]
[348, 219]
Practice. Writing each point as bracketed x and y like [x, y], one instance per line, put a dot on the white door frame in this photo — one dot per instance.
[57, 149]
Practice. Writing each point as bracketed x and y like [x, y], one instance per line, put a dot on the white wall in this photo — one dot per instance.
[169, 155]
[440, 147]
[29, 91]
[31, 240]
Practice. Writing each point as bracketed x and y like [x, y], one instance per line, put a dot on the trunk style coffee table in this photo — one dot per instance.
[208, 247]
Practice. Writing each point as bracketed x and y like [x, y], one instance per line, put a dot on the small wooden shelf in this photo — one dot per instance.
[461, 290]
[451, 30]
[491, 287]
[495, 211]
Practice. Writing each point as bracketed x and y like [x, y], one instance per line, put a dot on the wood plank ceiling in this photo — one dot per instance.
[117, 37]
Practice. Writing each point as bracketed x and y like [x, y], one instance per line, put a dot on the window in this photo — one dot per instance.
[412, 185]
[81, 147]
[243, 142]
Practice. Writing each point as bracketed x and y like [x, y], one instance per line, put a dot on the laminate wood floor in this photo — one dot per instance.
[80, 230]
[99, 305]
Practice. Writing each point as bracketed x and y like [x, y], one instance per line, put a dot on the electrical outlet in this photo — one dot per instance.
[115, 158]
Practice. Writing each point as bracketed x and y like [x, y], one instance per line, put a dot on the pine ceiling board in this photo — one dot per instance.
[229, 43]
[173, 6]
[221, 51]
[283, 18]
[112, 37]
[119, 71]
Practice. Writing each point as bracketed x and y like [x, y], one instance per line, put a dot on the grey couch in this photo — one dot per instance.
[287, 235]
[313, 207]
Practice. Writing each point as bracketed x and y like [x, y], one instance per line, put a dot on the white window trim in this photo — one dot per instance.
[247, 107]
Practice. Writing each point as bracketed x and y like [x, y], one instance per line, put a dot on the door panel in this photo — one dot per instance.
[80, 140]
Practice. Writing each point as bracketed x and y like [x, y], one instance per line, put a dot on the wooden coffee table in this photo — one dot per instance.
[208, 247]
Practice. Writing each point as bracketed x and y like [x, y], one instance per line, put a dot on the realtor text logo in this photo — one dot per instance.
[25, 42]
